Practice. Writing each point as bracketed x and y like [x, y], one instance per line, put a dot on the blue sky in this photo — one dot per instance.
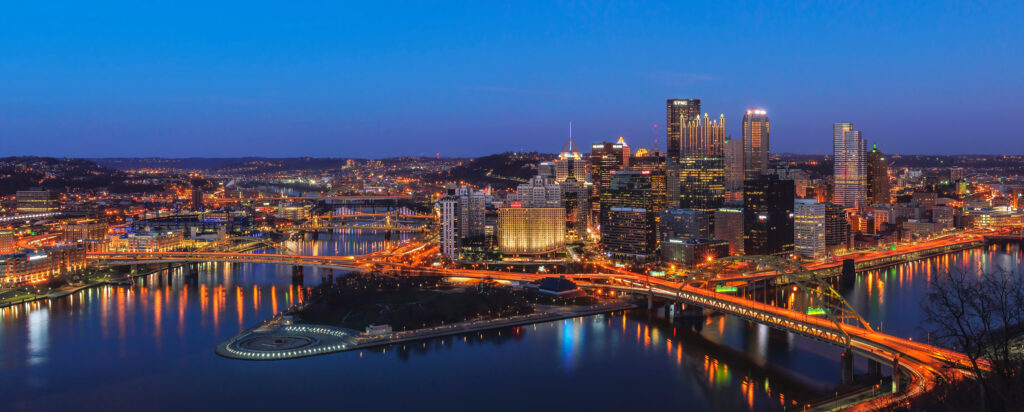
[378, 79]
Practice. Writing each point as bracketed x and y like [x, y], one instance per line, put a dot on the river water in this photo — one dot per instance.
[150, 346]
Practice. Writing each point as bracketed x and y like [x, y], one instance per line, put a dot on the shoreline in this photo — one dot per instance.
[322, 339]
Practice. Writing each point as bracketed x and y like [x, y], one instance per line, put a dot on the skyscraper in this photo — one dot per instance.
[702, 164]
[734, 169]
[629, 224]
[768, 216]
[877, 177]
[755, 143]
[539, 193]
[848, 152]
[570, 163]
[654, 164]
[463, 221]
[809, 228]
[678, 113]
[604, 158]
[837, 228]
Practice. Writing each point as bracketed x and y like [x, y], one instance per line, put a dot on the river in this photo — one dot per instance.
[150, 346]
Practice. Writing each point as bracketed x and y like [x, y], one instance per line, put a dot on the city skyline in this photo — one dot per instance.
[370, 82]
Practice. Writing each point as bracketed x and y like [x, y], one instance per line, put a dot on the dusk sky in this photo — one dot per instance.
[380, 79]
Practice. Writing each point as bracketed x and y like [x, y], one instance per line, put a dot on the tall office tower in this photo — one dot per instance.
[576, 201]
[539, 193]
[653, 163]
[678, 113]
[702, 165]
[604, 158]
[684, 224]
[547, 170]
[809, 228]
[530, 230]
[570, 163]
[197, 199]
[629, 234]
[848, 152]
[755, 143]
[36, 200]
[629, 192]
[463, 220]
[734, 169]
[768, 216]
[729, 227]
[877, 177]
[837, 228]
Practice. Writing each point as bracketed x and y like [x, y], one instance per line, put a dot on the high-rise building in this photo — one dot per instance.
[631, 195]
[463, 220]
[629, 233]
[877, 177]
[848, 152]
[530, 230]
[837, 228]
[755, 143]
[734, 169]
[653, 163]
[702, 164]
[684, 224]
[576, 201]
[547, 170]
[197, 199]
[729, 227]
[570, 163]
[768, 216]
[36, 200]
[539, 192]
[604, 158]
[809, 228]
[678, 112]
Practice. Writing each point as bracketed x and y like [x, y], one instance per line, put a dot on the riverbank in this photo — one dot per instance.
[276, 341]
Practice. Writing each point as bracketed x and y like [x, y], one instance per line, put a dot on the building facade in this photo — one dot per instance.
[878, 191]
[678, 113]
[530, 230]
[848, 153]
[768, 216]
[809, 228]
[702, 164]
[755, 143]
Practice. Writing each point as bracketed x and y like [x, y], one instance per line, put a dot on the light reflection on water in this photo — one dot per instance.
[161, 332]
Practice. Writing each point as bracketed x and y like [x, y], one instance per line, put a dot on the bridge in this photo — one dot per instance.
[829, 318]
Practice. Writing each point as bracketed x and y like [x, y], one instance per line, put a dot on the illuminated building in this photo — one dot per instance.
[197, 199]
[678, 113]
[463, 220]
[944, 216]
[848, 153]
[768, 216]
[755, 143]
[7, 243]
[530, 230]
[729, 227]
[604, 159]
[993, 217]
[884, 216]
[692, 252]
[629, 189]
[629, 234]
[539, 192]
[91, 233]
[154, 241]
[684, 224]
[837, 229]
[809, 228]
[294, 212]
[547, 170]
[734, 171]
[570, 163]
[576, 201]
[37, 200]
[41, 265]
[652, 163]
[877, 177]
[702, 164]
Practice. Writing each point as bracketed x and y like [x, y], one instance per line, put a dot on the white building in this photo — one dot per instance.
[849, 151]
[463, 220]
[809, 228]
[539, 193]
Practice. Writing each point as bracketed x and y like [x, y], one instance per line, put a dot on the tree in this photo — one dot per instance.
[980, 315]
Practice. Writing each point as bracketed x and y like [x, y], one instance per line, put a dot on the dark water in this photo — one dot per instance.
[150, 346]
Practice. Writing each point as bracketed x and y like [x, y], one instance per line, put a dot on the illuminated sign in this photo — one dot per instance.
[725, 289]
